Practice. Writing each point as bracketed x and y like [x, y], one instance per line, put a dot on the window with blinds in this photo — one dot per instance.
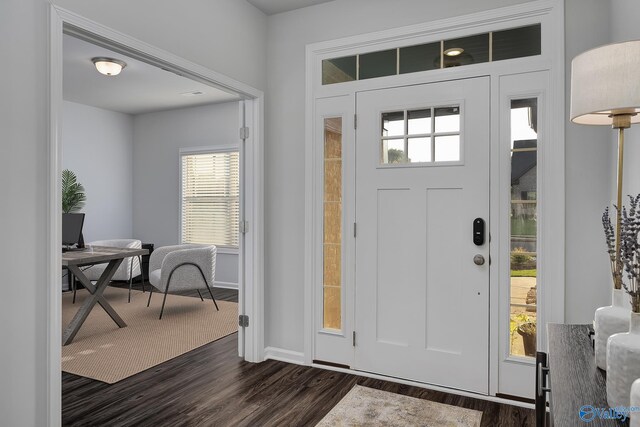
[210, 198]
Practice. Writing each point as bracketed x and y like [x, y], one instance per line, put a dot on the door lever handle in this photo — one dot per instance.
[478, 260]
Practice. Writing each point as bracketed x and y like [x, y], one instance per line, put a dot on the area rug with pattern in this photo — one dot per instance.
[104, 352]
[364, 406]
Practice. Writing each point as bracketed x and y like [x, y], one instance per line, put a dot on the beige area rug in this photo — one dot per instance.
[364, 406]
[104, 352]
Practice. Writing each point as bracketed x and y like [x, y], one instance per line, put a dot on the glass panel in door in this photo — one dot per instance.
[524, 226]
[332, 224]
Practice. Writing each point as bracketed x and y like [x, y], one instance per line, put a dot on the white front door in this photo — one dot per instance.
[422, 178]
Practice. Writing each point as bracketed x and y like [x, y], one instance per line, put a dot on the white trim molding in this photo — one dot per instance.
[61, 20]
[225, 285]
[54, 225]
[548, 13]
[226, 148]
[282, 355]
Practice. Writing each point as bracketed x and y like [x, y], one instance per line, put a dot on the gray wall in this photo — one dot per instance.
[23, 213]
[588, 176]
[157, 140]
[591, 153]
[136, 176]
[225, 35]
[97, 145]
[288, 34]
[624, 26]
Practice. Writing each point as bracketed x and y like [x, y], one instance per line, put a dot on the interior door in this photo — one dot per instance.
[422, 283]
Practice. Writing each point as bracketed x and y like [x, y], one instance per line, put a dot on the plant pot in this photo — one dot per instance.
[610, 320]
[623, 363]
[528, 333]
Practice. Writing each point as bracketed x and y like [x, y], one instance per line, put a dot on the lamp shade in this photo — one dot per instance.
[606, 81]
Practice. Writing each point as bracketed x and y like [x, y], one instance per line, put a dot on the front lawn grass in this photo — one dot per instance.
[524, 273]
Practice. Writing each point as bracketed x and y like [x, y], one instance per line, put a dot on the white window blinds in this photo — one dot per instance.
[211, 198]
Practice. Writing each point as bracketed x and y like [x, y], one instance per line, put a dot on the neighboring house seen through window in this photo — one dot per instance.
[210, 198]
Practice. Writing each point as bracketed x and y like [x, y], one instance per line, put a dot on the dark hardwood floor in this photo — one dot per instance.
[212, 386]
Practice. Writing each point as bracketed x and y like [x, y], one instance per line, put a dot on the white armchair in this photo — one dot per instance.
[182, 267]
[130, 267]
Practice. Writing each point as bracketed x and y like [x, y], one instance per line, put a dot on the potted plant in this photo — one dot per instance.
[525, 326]
[612, 319]
[528, 333]
[73, 196]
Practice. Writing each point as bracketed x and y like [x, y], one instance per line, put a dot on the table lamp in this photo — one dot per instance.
[605, 90]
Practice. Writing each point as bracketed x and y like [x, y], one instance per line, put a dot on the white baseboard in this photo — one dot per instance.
[225, 285]
[283, 355]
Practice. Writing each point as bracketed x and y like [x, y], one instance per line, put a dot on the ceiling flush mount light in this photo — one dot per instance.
[454, 51]
[108, 66]
[453, 60]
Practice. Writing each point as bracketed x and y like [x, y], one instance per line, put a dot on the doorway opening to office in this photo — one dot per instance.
[155, 199]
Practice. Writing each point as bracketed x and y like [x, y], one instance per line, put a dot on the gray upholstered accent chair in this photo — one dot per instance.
[181, 268]
[129, 268]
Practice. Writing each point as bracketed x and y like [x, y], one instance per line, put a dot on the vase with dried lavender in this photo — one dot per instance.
[623, 349]
[614, 318]
[630, 251]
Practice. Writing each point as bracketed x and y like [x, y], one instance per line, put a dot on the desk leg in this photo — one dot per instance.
[101, 300]
[95, 298]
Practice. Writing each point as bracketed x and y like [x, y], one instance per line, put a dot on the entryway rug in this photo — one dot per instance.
[104, 352]
[364, 406]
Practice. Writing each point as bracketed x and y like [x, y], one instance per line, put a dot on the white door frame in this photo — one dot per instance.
[550, 13]
[252, 276]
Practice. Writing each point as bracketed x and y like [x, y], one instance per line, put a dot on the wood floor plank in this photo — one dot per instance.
[212, 386]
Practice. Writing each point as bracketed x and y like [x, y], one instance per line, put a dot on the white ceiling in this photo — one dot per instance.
[271, 7]
[140, 88]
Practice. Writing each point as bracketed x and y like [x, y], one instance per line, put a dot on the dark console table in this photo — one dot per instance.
[574, 379]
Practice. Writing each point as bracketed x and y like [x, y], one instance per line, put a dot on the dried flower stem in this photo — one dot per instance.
[613, 247]
[630, 250]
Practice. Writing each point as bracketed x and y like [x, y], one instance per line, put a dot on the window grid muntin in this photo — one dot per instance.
[432, 135]
[528, 51]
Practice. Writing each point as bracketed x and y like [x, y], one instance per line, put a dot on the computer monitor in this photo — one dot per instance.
[72, 229]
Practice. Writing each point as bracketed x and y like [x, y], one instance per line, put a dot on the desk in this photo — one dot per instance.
[73, 260]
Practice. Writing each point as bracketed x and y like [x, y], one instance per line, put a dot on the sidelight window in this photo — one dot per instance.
[524, 226]
[332, 224]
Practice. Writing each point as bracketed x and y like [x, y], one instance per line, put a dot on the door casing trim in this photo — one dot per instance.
[548, 12]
